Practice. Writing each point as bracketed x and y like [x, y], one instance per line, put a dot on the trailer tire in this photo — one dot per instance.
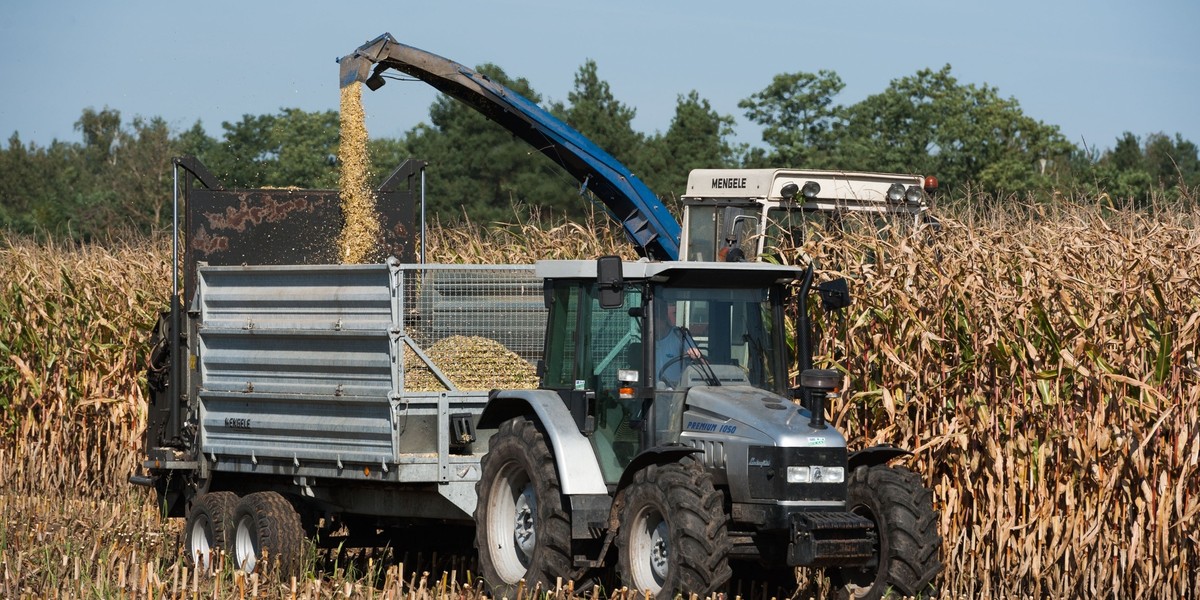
[909, 543]
[522, 529]
[673, 536]
[205, 532]
[266, 533]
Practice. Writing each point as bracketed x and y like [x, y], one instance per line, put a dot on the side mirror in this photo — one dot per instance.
[610, 282]
[835, 294]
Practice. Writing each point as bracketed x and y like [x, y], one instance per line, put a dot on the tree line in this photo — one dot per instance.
[117, 177]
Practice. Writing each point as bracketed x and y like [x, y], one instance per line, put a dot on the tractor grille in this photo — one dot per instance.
[767, 473]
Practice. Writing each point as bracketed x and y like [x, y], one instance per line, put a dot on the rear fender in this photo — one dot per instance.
[578, 468]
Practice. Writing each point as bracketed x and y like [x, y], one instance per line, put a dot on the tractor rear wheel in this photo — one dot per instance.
[205, 530]
[908, 545]
[673, 536]
[522, 530]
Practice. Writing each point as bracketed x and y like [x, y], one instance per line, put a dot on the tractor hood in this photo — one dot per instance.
[750, 414]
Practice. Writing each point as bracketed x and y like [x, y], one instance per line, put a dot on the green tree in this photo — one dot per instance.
[697, 138]
[35, 186]
[116, 181]
[1136, 169]
[292, 148]
[595, 112]
[100, 130]
[1171, 162]
[141, 176]
[800, 122]
[930, 123]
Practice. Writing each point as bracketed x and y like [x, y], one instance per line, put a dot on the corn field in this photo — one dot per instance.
[1041, 363]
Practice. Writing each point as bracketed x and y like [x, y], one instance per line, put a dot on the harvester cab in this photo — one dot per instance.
[744, 214]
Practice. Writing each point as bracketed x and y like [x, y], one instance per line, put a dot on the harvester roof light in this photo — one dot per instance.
[914, 195]
[811, 189]
[931, 184]
[895, 192]
[789, 190]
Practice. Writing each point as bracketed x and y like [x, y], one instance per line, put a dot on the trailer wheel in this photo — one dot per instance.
[266, 533]
[673, 536]
[206, 527]
[522, 530]
[908, 547]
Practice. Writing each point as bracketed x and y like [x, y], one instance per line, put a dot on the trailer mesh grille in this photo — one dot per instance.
[482, 326]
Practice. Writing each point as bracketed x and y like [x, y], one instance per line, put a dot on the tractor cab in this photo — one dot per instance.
[629, 363]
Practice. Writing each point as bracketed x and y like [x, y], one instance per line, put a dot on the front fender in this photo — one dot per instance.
[656, 455]
[875, 455]
[578, 467]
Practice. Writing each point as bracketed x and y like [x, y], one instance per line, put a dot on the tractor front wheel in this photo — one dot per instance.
[673, 535]
[908, 545]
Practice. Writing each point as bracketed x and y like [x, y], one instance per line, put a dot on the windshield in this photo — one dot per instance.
[712, 336]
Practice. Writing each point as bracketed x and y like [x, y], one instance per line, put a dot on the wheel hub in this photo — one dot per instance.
[201, 544]
[660, 551]
[524, 534]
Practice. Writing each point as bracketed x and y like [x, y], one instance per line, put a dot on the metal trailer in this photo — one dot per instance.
[304, 374]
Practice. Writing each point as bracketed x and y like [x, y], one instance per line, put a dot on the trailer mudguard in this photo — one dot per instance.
[647, 222]
[578, 467]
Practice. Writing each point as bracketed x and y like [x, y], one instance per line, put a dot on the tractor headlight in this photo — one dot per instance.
[895, 192]
[816, 474]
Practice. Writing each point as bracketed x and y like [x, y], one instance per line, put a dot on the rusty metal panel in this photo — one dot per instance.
[285, 227]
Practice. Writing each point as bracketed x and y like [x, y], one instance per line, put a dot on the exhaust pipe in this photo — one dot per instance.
[819, 385]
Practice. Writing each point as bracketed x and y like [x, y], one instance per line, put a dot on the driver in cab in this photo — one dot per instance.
[673, 350]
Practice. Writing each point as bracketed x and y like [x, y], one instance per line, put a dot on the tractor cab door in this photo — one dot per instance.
[598, 353]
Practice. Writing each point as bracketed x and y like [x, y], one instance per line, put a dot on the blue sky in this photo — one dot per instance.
[1096, 68]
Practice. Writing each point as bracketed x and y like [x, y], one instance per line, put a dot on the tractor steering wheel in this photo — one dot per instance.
[682, 358]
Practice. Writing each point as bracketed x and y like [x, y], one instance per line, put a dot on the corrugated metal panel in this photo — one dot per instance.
[308, 427]
[322, 297]
[297, 362]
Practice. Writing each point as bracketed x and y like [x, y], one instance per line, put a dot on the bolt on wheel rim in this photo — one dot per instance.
[524, 533]
[650, 551]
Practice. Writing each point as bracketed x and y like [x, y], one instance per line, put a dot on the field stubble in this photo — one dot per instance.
[1042, 367]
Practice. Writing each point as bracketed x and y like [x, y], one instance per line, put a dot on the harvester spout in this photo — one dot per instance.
[356, 66]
